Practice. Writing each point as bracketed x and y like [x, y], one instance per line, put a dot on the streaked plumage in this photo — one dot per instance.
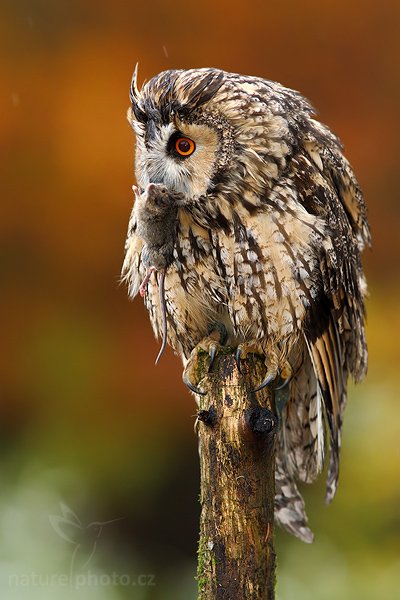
[268, 243]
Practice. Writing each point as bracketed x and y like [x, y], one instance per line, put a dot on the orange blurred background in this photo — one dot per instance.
[86, 417]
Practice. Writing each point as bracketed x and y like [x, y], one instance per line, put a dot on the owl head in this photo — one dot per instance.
[207, 133]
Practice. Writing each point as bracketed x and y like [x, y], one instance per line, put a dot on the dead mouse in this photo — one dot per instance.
[157, 219]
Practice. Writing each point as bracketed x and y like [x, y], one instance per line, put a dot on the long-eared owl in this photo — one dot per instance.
[262, 240]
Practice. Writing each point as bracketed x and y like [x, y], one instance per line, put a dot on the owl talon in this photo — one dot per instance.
[284, 383]
[212, 351]
[266, 381]
[210, 345]
[238, 354]
[190, 385]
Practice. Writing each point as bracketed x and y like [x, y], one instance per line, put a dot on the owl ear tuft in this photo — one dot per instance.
[134, 94]
[133, 91]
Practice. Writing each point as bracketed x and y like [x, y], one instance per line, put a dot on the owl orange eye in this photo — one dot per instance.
[185, 146]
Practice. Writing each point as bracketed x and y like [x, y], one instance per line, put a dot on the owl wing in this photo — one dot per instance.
[334, 326]
[289, 505]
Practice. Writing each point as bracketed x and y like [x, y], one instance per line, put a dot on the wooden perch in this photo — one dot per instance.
[237, 431]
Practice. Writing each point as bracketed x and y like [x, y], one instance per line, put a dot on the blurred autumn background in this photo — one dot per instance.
[91, 430]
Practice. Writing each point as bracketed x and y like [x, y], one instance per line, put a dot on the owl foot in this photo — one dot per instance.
[273, 372]
[190, 371]
[272, 376]
[211, 344]
[186, 378]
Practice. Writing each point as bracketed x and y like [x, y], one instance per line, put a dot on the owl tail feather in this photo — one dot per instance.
[289, 504]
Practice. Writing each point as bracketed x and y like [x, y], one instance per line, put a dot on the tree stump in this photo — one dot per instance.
[237, 431]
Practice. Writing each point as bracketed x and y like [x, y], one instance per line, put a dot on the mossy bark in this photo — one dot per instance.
[237, 430]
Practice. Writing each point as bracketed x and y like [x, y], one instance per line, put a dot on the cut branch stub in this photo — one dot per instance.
[237, 431]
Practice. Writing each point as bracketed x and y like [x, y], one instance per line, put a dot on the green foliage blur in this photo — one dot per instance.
[98, 459]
